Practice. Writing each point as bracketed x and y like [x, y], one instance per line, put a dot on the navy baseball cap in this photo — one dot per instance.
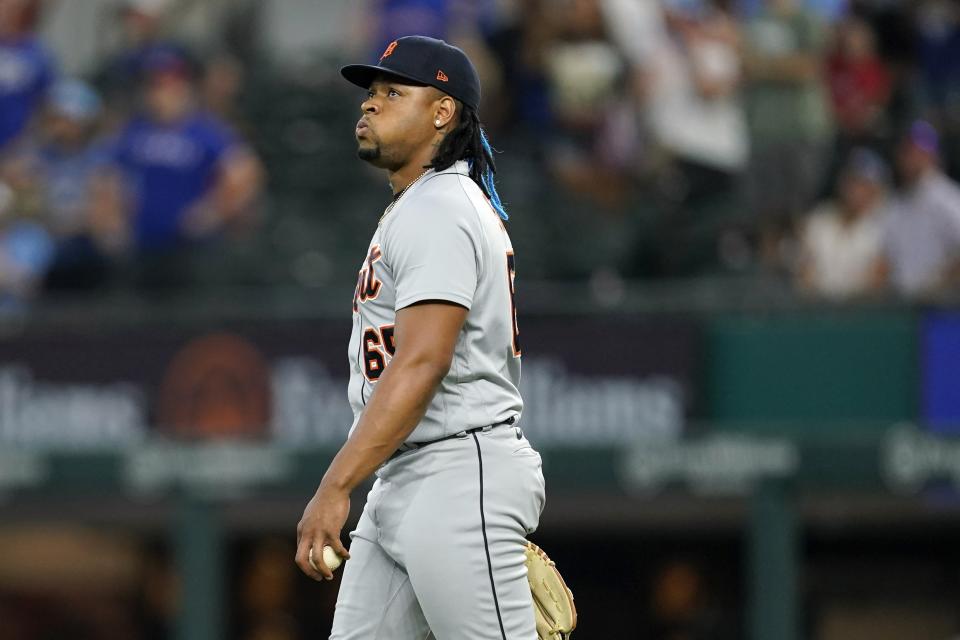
[425, 61]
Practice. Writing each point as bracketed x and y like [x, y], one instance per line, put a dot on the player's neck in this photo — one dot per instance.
[408, 173]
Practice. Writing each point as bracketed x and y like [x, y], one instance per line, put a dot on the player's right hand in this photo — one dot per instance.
[323, 519]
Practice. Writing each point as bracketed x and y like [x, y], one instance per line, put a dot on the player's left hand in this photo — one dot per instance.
[322, 521]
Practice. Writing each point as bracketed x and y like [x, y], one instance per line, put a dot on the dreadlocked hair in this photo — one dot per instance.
[469, 142]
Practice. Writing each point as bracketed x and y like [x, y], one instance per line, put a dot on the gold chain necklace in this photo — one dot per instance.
[400, 195]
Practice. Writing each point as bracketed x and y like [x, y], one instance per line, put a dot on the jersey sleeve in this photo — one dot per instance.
[218, 140]
[47, 73]
[433, 254]
[118, 147]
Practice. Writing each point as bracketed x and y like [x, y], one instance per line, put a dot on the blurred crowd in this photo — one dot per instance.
[817, 140]
[121, 173]
[830, 126]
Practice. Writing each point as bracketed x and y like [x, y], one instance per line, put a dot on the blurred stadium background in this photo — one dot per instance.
[737, 237]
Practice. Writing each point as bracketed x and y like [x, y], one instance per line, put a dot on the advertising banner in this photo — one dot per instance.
[586, 381]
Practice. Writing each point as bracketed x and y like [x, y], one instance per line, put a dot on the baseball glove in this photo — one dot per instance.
[552, 601]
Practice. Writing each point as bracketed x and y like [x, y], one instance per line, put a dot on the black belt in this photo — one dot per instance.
[411, 446]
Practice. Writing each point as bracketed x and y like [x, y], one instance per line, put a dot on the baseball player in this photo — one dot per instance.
[435, 364]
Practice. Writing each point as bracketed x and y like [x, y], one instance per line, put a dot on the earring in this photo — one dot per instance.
[438, 123]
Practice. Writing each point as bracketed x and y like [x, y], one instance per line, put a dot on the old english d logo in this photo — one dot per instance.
[441, 76]
[389, 50]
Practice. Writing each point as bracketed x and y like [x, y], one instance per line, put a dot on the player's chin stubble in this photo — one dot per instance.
[375, 156]
[369, 154]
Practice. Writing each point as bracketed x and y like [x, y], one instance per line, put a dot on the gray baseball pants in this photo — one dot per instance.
[438, 551]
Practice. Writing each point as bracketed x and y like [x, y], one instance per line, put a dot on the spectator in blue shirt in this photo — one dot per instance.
[67, 155]
[182, 177]
[61, 165]
[26, 250]
[140, 26]
[26, 69]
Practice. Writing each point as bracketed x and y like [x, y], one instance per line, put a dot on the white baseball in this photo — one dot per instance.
[330, 558]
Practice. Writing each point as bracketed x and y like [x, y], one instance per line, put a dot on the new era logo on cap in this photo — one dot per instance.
[441, 76]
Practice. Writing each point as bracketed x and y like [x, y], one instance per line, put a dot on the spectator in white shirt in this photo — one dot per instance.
[921, 243]
[842, 239]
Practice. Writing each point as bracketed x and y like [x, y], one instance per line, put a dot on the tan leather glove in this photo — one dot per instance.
[552, 601]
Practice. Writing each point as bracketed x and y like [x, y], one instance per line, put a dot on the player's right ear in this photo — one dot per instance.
[444, 111]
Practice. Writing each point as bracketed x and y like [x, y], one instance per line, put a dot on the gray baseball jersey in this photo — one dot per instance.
[442, 241]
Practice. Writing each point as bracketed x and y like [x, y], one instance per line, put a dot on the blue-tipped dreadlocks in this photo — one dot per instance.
[487, 177]
[469, 142]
